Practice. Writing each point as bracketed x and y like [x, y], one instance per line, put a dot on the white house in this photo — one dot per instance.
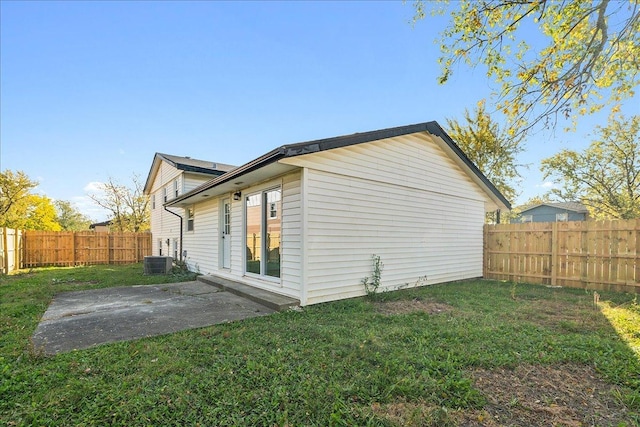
[304, 220]
[169, 177]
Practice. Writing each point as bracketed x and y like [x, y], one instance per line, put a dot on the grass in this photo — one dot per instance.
[328, 365]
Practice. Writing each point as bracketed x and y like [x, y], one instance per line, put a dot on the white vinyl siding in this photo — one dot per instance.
[163, 224]
[202, 244]
[403, 199]
[291, 240]
[413, 161]
[417, 245]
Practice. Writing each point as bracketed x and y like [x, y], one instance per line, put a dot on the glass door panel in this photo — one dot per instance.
[253, 232]
[273, 220]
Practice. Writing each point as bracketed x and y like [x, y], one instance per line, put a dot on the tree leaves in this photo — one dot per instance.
[588, 57]
[492, 149]
[606, 176]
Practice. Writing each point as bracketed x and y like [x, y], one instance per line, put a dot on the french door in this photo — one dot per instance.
[263, 225]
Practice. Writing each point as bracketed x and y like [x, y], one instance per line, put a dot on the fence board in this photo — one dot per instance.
[65, 248]
[602, 255]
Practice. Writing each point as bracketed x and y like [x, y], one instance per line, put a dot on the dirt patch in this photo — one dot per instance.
[411, 306]
[566, 395]
[564, 317]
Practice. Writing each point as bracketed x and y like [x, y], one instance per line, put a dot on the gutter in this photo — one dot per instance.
[181, 219]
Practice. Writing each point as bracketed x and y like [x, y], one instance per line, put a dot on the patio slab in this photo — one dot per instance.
[82, 319]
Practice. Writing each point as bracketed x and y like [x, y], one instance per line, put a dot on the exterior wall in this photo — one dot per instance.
[404, 200]
[163, 224]
[548, 214]
[204, 242]
[192, 180]
[291, 239]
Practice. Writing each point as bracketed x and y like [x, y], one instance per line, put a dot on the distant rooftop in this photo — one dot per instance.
[569, 206]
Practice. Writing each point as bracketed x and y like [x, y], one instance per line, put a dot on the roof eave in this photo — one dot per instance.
[261, 161]
[314, 146]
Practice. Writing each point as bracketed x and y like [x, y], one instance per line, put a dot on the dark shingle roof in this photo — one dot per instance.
[195, 165]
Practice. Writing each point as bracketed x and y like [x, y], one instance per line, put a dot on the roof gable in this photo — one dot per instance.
[186, 164]
[298, 149]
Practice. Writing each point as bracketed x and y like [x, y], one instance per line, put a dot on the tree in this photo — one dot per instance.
[491, 148]
[70, 218]
[129, 207]
[40, 214]
[606, 176]
[15, 189]
[590, 58]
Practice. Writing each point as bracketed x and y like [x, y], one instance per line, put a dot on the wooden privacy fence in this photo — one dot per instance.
[602, 255]
[67, 248]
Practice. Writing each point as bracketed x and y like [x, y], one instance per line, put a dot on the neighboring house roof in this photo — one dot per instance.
[567, 206]
[101, 224]
[186, 164]
[292, 150]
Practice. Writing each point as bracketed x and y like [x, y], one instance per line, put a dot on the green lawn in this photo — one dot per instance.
[341, 363]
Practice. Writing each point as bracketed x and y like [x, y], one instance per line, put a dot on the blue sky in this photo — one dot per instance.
[91, 90]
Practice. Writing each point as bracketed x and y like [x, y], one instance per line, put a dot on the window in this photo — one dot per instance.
[527, 218]
[190, 218]
[175, 188]
[175, 249]
[153, 201]
[164, 193]
[227, 218]
[160, 247]
[262, 231]
[562, 216]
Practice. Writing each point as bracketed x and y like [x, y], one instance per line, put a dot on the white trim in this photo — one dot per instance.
[303, 237]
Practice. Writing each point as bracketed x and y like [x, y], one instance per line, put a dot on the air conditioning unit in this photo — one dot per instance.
[157, 264]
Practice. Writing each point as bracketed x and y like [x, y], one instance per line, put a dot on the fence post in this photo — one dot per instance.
[584, 252]
[485, 250]
[636, 231]
[5, 249]
[554, 253]
[73, 248]
[16, 251]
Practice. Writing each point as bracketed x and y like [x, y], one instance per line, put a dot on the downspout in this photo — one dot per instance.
[181, 219]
